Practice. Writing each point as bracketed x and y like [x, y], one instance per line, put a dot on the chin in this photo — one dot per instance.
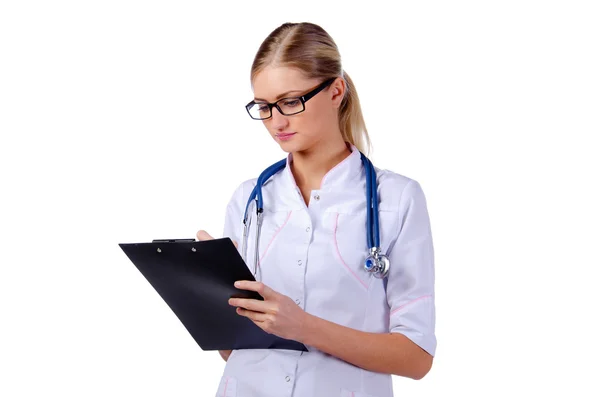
[287, 147]
[296, 144]
[290, 146]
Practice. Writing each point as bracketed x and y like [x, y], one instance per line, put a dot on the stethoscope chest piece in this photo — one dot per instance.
[377, 264]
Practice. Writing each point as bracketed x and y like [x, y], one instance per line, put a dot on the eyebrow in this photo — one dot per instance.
[280, 95]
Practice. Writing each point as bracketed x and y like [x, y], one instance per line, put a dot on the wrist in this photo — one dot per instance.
[308, 329]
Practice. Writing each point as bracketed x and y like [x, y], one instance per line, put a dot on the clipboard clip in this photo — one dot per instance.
[175, 240]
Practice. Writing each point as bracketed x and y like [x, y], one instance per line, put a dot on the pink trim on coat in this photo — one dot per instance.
[275, 235]
[225, 389]
[408, 303]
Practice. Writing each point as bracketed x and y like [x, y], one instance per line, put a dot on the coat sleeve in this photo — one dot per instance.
[410, 283]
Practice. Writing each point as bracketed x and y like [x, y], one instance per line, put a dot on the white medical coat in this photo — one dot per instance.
[315, 255]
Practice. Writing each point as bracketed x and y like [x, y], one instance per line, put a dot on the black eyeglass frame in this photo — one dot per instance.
[303, 99]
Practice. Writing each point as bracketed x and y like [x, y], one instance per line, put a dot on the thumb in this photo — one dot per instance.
[202, 235]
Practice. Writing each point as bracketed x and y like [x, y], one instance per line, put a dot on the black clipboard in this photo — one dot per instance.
[195, 279]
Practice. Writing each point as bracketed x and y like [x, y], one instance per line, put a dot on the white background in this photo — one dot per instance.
[124, 121]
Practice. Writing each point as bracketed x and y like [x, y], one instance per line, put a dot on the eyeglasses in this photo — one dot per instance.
[286, 106]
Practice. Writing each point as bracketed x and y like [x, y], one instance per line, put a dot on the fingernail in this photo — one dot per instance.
[237, 283]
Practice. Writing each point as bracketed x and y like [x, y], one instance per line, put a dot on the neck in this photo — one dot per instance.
[310, 166]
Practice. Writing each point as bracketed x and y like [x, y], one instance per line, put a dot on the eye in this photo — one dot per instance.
[292, 102]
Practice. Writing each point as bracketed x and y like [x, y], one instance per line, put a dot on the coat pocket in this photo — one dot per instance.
[349, 246]
[273, 224]
[350, 243]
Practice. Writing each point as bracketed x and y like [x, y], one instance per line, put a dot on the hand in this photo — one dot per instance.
[202, 235]
[225, 354]
[277, 314]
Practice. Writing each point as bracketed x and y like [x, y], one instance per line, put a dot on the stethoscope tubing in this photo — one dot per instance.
[372, 213]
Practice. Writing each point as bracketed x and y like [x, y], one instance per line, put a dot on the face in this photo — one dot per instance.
[316, 125]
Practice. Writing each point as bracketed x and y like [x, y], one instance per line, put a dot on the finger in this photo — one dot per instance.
[235, 243]
[262, 289]
[250, 304]
[202, 235]
[252, 315]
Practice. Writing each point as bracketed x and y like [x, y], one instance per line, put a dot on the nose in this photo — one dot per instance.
[278, 120]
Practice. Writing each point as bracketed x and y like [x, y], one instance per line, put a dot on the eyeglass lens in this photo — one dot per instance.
[288, 107]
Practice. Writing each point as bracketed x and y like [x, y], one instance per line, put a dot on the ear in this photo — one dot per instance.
[337, 90]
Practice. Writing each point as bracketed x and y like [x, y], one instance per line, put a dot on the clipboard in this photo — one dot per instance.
[195, 279]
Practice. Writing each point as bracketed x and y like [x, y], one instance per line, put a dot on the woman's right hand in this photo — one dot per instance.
[202, 235]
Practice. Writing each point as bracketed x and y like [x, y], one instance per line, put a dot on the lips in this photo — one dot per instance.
[284, 134]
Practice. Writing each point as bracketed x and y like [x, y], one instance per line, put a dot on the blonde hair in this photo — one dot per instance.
[309, 48]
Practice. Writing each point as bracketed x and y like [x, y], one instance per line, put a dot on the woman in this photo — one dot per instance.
[359, 329]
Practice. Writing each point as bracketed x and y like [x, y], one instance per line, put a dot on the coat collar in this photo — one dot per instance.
[340, 175]
[283, 194]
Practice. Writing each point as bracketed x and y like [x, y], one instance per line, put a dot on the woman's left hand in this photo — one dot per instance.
[277, 314]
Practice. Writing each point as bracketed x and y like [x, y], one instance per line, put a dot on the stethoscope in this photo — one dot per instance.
[376, 263]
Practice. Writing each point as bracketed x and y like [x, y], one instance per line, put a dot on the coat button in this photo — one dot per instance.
[308, 229]
[298, 301]
[287, 378]
[299, 262]
[317, 197]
